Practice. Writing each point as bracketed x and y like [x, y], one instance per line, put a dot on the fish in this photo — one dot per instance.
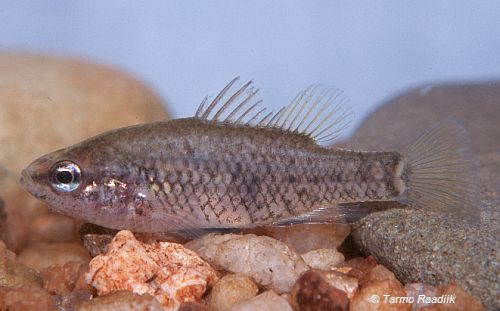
[232, 166]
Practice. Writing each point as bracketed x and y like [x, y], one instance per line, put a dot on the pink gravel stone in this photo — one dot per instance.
[167, 271]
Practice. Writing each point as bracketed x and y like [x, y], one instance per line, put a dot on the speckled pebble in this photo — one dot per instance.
[379, 273]
[345, 283]
[230, 290]
[307, 237]
[121, 301]
[323, 259]
[269, 262]
[167, 271]
[266, 301]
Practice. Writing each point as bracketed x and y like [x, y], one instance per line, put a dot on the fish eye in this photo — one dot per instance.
[65, 176]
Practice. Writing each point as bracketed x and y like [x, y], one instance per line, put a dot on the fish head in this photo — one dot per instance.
[82, 183]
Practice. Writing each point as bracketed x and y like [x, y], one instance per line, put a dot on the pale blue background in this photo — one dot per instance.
[186, 49]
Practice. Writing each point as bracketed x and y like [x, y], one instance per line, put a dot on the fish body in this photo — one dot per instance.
[204, 173]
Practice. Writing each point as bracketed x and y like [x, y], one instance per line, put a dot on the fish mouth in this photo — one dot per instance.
[27, 183]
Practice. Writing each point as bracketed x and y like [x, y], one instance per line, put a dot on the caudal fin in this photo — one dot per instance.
[439, 172]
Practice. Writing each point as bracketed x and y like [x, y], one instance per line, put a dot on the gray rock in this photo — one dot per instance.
[430, 248]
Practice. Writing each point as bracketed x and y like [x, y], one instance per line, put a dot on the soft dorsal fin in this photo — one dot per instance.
[319, 112]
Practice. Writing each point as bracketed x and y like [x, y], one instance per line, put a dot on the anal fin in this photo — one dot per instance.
[340, 213]
[197, 233]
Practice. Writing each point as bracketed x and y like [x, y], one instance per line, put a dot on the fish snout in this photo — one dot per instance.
[25, 178]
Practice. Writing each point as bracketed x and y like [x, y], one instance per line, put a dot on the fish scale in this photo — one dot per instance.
[263, 190]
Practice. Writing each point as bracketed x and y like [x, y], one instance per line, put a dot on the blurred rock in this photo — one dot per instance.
[371, 297]
[313, 292]
[62, 279]
[121, 301]
[266, 301]
[3, 221]
[415, 290]
[193, 306]
[25, 298]
[168, 271]
[304, 238]
[42, 255]
[53, 228]
[323, 259]
[269, 262]
[420, 246]
[462, 302]
[67, 302]
[47, 103]
[230, 290]
[345, 283]
[13, 273]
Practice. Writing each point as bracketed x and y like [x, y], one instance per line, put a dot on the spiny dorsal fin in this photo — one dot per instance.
[319, 112]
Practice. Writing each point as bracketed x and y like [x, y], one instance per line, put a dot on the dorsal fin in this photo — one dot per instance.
[319, 112]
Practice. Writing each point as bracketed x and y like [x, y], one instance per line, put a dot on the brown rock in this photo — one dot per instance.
[53, 228]
[462, 302]
[47, 103]
[313, 292]
[13, 273]
[230, 290]
[26, 298]
[62, 279]
[371, 297]
[268, 300]
[43, 255]
[121, 301]
[168, 271]
[269, 262]
[67, 302]
[308, 237]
